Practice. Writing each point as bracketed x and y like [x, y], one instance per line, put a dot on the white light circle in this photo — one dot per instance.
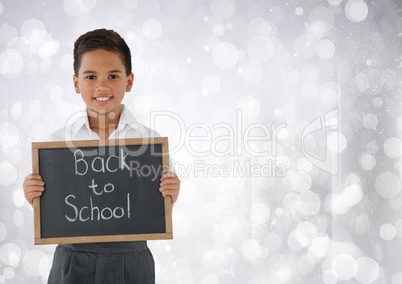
[304, 165]
[211, 84]
[18, 198]
[8, 173]
[11, 63]
[9, 136]
[299, 11]
[9, 273]
[304, 46]
[35, 107]
[251, 250]
[387, 232]
[18, 218]
[225, 55]
[250, 71]
[369, 81]
[334, 2]
[305, 233]
[16, 111]
[273, 242]
[261, 27]
[396, 278]
[223, 8]
[260, 49]
[322, 19]
[152, 29]
[329, 92]
[367, 270]
[329, 277]
[7, 34]
[31, 262]
[10, 254]
[345, 267]
[308, 203]
[260, 213]
[218, 30]
[393, 147]
[356, 10]
[210, 279]
[325, 49]
[249, 106]
[73, 8]
[387, 185]
[336, 142]
[368, 162]
[131, 36]
[34, 31]
[3, 231]
[301, 182]
[370, 121]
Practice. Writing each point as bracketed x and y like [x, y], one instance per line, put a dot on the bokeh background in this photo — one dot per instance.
[284, 122]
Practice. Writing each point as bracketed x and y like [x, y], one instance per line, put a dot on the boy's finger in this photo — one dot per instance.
[34, 182]
[31, 196]
[173, 186]
[169, 181]
[165, 188]
[33, 176]
[35, 189]
[168, 175]
[172, 193]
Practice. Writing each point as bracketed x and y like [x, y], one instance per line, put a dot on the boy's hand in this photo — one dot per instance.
[170, 185]
[33, 187]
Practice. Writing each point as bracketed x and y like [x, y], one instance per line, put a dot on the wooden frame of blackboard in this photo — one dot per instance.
[37, 146]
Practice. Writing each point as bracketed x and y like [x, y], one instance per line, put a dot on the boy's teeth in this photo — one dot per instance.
[103, 99]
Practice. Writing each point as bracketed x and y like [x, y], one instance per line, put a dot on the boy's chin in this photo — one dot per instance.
[111, 112]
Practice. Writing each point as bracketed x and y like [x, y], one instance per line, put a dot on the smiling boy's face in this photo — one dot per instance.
[102, 82]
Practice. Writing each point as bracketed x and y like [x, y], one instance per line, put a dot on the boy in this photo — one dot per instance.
[102, 75]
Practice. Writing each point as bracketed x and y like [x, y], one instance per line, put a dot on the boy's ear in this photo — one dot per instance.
[75, 80]
[130, 82]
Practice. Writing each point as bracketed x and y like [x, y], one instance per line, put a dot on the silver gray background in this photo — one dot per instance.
[322, 205]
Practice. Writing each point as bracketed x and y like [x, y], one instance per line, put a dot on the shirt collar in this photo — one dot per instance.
[126, 118]
[81, 121]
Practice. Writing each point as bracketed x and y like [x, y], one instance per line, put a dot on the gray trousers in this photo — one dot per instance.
[116, 263]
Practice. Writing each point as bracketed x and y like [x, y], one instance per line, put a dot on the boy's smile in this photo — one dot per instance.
[102, 82]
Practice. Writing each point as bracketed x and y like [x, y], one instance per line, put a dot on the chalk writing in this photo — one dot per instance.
[93, 212]
[99, 164]
[95, 192]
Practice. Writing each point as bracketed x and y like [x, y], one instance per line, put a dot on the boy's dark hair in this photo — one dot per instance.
[101, 39]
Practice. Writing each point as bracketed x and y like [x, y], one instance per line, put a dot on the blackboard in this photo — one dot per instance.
[101, 191]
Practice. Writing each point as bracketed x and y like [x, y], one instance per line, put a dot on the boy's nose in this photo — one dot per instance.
[102, 85]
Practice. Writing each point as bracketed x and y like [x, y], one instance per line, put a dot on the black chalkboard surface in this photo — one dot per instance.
[101, 191]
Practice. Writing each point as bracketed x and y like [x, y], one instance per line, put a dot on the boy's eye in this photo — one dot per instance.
[91, 77]
[113, 76]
